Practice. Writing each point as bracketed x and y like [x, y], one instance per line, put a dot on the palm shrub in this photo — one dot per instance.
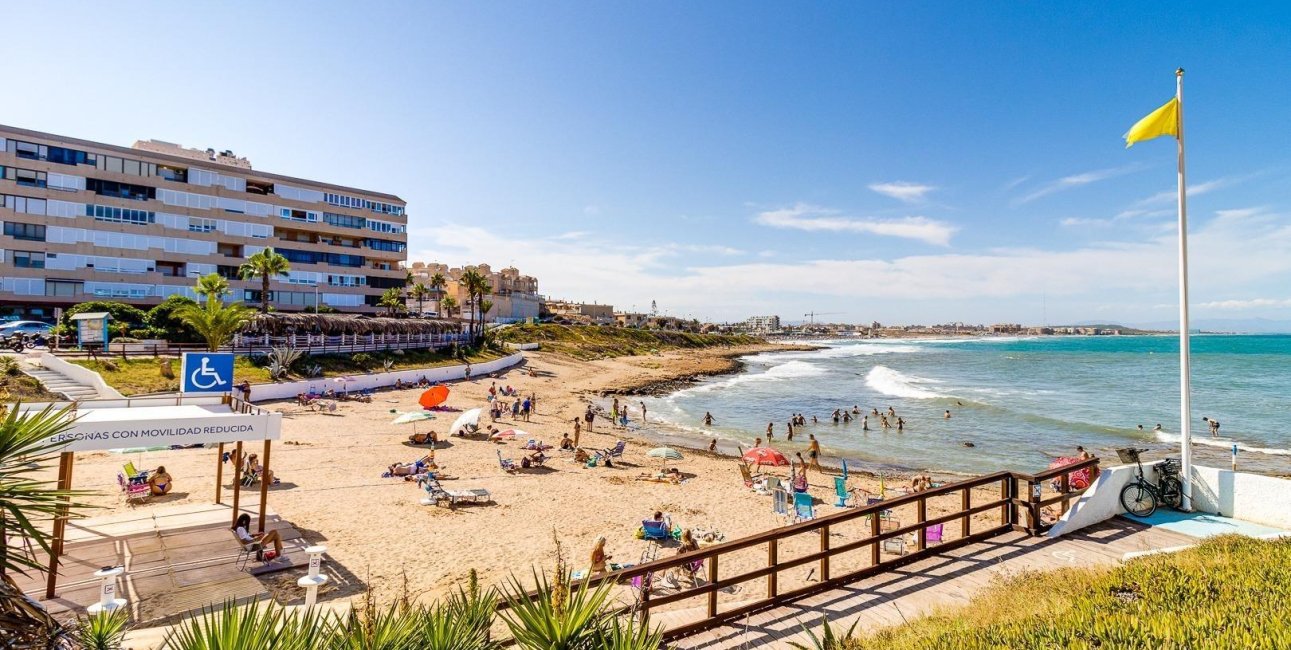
[215, 321]
[104, 631]
[257, 626]
[828, 640]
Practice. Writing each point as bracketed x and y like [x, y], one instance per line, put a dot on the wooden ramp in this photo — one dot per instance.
[944, 579]
[176, 559]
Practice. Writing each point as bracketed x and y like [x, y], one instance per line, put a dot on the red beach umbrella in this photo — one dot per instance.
[433, 397]
[1079, 479]
[765, 456]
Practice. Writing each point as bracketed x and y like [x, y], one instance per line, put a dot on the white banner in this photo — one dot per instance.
[91, 433]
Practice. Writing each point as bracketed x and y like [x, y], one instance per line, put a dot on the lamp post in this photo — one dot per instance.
[316, 297]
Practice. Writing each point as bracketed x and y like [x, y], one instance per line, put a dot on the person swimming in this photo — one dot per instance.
[708, 419]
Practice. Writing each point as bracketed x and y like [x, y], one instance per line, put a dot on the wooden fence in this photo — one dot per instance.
[1018, 506]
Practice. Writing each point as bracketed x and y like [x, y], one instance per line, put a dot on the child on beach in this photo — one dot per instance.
[599, 556]
[712, 446]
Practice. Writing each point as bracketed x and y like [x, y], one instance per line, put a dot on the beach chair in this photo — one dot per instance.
[656, 531]
[133, 475]
[894, 545]
[747, 475]
[841, 491]
[932, 534]
[617, 450]
[509, 466]
[800, 483]
[780, 502]
[133, 490]
[803, 507]
[772, 483]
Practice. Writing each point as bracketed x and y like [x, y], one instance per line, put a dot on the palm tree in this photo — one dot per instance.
[264, 265]
[438, 282]
[392, 299]
[476, 287]
[448, 304]
[212, 286]
[486, 306]
[26, 501]
[419, 293]
[408, 279]
[216, 322]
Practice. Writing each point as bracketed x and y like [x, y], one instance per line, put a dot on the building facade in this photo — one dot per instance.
[762, 324]
[90, 221]
[578, 312]
[514, 297]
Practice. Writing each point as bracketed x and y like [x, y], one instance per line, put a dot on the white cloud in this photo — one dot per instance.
[1079, 222]
[1198, 189]
[902, 191]
[1075, 181]
[813, 218]
[1252, 303]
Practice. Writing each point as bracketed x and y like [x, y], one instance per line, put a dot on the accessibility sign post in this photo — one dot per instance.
[206, 372]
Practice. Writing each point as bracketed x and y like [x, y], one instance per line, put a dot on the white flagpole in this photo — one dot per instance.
[1185, 369]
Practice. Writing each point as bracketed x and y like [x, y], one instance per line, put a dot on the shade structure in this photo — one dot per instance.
[509, 433]
[412, 416]
[666, 453]
[433, 397]
[765, 456]
[469, 419]
[1079, 479]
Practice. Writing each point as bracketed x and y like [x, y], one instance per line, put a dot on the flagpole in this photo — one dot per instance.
[1185, 367]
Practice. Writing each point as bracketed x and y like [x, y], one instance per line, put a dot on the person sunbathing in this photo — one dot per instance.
[423, 438]
[415, 467]
[254, 471]
[599, 557]
[160, 482]
[259, 540]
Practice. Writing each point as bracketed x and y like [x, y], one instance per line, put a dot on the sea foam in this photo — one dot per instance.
[1222, 443]
[885, 380]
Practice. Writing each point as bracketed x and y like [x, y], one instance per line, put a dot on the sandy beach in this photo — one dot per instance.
[331, 465]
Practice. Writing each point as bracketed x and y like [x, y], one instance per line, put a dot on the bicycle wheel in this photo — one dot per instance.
[1138, 500]
[1171, 492]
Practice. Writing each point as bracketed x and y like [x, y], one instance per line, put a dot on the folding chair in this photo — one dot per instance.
[803, 507]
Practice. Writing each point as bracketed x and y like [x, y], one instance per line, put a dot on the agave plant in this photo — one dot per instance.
[387, 364]
[827, 639]
[559, 617]
[104, 631]
[256, 626]
[281, 359]
[314, 370]
[393, 628]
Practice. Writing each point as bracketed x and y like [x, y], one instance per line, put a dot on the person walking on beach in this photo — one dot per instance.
[643, 413]
[708, 419]
[813, 452]
[1214, 426]
[524, 409]
[578, 428]
[590, 417]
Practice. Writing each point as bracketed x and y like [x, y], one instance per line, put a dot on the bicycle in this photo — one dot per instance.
[1140, 497]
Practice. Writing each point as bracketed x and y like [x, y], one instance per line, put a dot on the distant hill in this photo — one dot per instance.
[1236, 325]
[1125, 329]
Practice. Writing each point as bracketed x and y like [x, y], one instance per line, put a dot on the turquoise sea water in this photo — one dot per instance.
[1019, 401]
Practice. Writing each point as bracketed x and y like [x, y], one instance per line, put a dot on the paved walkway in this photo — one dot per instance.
[947, 579]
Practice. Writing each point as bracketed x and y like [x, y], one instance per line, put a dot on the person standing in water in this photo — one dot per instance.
[947, 415]
[643, 413]
[708, 419]
[791, 430]
[865, 423]
[770, 428]
[900, 424]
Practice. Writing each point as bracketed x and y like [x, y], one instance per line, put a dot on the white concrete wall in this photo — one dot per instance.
[289, 389]
[1250, 497]
[524, 346]
[80, 374]
[1100, 502]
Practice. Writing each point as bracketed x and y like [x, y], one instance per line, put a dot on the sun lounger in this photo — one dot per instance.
[437, 496]
[803, 507]
[509, 466]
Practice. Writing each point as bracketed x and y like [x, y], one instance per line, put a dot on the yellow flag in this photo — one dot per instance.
[1162, 121]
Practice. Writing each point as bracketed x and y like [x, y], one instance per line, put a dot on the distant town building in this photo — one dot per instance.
[577, 312]
[515, 296]
[762, 323]
[631, 319]
[1006, 328]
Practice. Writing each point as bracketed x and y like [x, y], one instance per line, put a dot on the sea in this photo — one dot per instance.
[1014, 403]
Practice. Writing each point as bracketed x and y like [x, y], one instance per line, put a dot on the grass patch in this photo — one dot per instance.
[140, 376]
[21, 388]
[1229, 592]
[602, 342]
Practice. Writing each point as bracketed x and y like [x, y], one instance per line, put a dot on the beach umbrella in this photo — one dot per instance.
[765, 456]
[345, 380]
[470, 419]
[1077, 480]
[509, 433]
[666, 453]
[433, 397]
[414, 417]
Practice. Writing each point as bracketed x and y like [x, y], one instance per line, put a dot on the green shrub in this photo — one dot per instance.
[163, 318]
[118, 312]
[362, 360]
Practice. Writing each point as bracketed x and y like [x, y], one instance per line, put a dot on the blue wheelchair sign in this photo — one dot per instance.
[207, 372]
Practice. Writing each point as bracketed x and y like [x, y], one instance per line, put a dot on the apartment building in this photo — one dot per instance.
[762, 324]
[514, 297]
[90, 221]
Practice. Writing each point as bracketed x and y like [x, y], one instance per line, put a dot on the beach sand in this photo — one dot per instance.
[375, 529]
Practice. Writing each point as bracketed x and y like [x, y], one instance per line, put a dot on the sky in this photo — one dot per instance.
[902, 162]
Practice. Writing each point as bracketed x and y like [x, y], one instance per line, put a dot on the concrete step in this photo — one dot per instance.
[56, 382]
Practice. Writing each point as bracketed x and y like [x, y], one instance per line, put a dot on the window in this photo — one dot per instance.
[198, 224]
[66, 182]
[26, 177]
[344, 220]
[27, 231]
[27, 150]
[126, 166]
[63, 288]
[120, 215]
[65, 156]
[298, 215]
[377, 282]
[28, 260]
[176, 174]
[23, 204]
[386, 226]
[120, 190]
[386, 245]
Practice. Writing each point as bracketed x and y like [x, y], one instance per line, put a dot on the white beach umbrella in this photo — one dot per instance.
[414, 417]
[470, 419]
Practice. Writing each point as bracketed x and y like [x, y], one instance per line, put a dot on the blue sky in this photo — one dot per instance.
[908, 162]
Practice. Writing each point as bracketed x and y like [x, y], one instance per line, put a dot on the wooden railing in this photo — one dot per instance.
[1018, 507]
[1032, 501]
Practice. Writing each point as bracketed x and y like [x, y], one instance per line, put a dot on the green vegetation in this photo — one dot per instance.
[1229, 592]
[138, 376]
[603, 342]
[118, 312]
[215, 321]
[15, 386]
[265, 265]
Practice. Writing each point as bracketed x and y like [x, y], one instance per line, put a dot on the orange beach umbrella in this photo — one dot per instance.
[433, 397]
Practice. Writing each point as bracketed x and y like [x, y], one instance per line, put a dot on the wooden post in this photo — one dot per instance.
[237, 484]
[921, 513]
[1064, 484]
[824, 547]
[1006, 492]
[264, 486]
[219, 475]
[712, 579]
[874, 532]
[773, 560]
[60, 523]
[966, 504]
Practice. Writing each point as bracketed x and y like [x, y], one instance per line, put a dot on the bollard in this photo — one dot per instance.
[314, 579]
[1234, 458]
[108, 602]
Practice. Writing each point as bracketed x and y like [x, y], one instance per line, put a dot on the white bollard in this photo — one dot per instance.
[314, 580]
[108, 602]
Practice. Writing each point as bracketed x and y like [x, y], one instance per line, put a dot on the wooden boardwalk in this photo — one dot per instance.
[942, 580]
[177, 559]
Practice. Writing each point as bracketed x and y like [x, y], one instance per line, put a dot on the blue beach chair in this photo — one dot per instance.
[802, 507]
[655, 530]
[840, 489]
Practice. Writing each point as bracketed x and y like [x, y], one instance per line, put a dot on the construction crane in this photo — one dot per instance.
[812, 315]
